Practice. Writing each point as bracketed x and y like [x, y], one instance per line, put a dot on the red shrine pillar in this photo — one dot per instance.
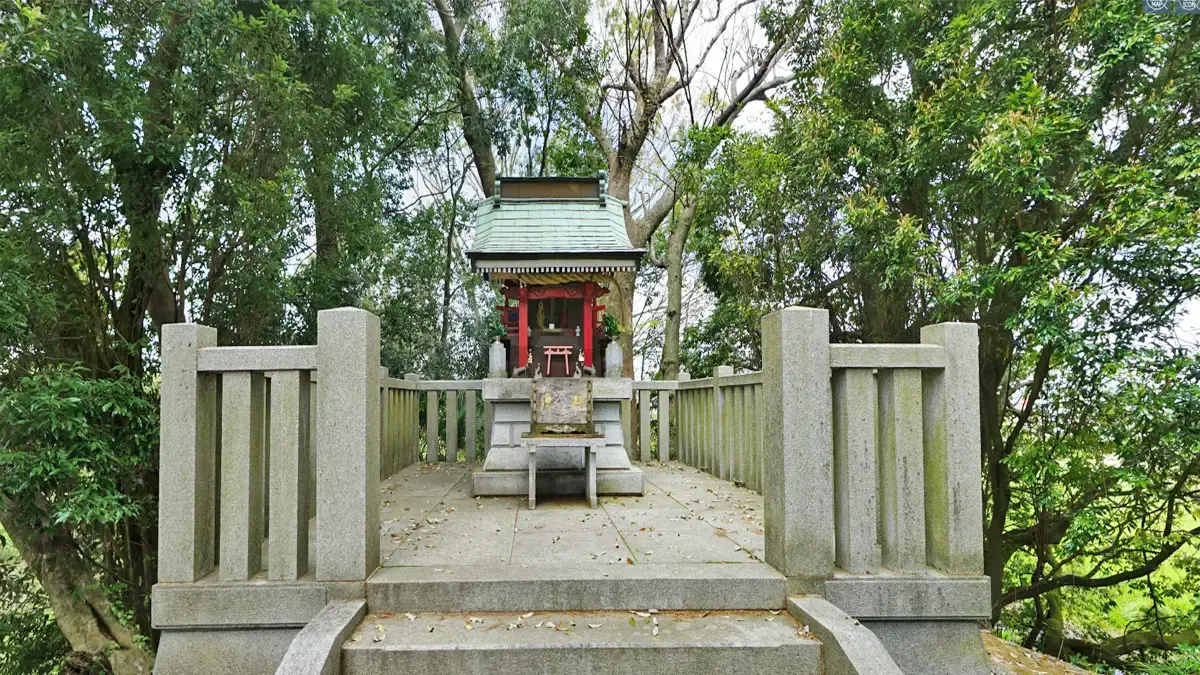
[589, 322]
[522, 325]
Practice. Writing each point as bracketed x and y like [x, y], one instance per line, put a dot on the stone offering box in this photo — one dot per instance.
[560, 468]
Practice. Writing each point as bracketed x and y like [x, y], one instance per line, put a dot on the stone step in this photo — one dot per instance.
[544, 588]
[582, 643]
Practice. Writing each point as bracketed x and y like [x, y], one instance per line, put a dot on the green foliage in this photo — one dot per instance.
[1031, 168]
[1187, 663]
[241, 165]
[612, 329]
[85, 447]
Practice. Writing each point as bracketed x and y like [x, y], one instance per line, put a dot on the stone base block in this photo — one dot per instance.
[228, 652]
[911, 597]
[516, 483]
[933, 647]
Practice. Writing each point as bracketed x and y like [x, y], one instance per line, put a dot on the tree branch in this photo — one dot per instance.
[476, 134]
[1080, 581]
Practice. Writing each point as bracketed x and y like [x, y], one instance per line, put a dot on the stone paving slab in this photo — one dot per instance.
[429, 518]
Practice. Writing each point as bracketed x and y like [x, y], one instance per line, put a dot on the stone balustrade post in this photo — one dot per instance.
[347, 444]
[720, 464]
[385, 458]
[413, 415]
[187, 456]
[953, 500]
[797, 443]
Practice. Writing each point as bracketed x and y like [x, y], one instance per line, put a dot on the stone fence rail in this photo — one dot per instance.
[867, 455]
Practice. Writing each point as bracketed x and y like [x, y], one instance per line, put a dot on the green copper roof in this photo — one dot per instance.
[534, 226]
[543, 227]
[551, 226]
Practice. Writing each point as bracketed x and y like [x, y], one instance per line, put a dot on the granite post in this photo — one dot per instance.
[797, 443]
[901, 471]
[856, 472]
[413, 415]
[953, 501]
[347, 444]
[243, 397]
[187, 456]
[664, 426]
[720, 446]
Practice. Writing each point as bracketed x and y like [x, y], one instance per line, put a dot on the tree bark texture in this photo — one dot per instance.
[82, 611]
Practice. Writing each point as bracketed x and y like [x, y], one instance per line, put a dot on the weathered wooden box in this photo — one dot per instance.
[561, 405]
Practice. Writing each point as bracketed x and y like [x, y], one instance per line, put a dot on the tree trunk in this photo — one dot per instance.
[619, 303]
[994, 344]
[676, 242]
[81, 610]
[447, 272]
[1053, 636]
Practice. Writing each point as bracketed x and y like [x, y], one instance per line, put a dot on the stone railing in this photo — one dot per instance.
[719, 426]
[284, 433]
[716, 425]
[407, 428]
[868, 455]
[871, 467]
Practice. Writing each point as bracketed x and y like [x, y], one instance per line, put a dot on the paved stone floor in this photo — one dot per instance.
[428, 518]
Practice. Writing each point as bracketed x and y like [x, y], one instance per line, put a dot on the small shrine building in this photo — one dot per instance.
[553, 245]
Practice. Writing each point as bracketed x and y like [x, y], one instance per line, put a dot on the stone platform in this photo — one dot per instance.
[429, 518]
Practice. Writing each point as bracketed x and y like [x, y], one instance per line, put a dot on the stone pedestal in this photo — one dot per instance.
[560, 469]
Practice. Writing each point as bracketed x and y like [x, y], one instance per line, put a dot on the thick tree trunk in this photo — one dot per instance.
[474, 126]
[81, 610]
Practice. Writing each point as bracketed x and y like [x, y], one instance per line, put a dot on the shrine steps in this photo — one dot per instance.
[582, 643]
[546, 588]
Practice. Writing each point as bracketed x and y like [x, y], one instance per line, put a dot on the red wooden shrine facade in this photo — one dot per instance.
[574, 314]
